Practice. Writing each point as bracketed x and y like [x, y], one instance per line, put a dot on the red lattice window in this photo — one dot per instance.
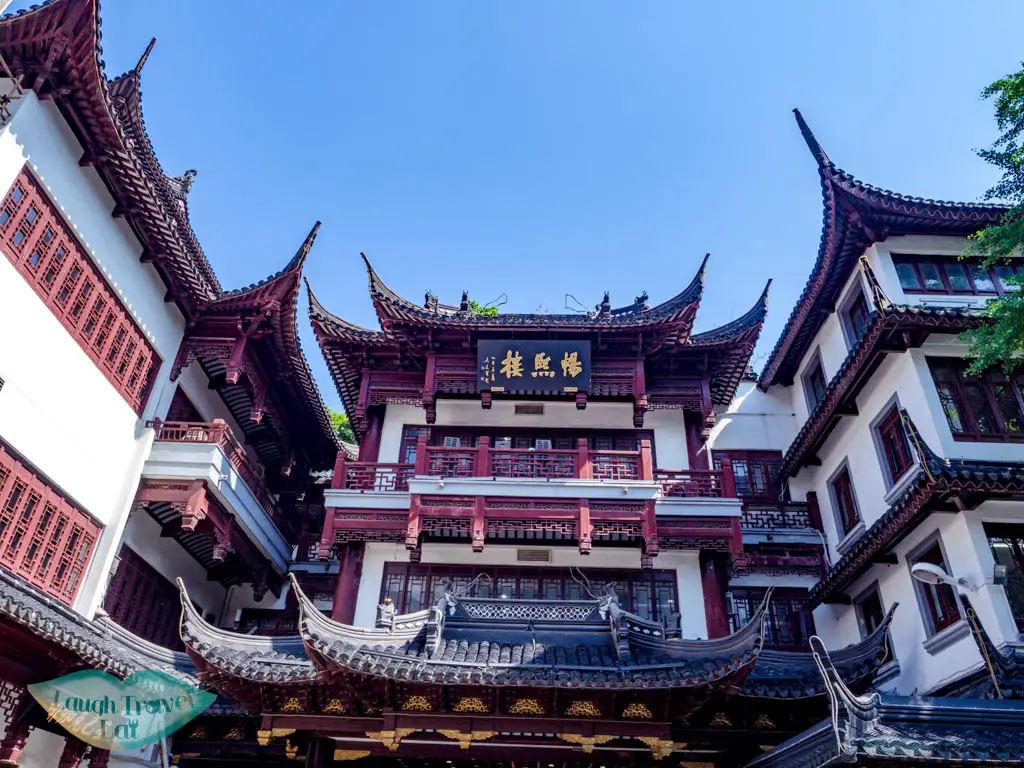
[144, 602]
[41, 245]
[44, 538]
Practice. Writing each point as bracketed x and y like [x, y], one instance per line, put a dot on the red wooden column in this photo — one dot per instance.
[695, 447]
[814, 510]
[350, 570]
[73, 754]
[340, 478]
[713, 579]
[584, 529]
[584, 469]
[369, 446]
[646, 460]
[483, 457]
[16, 735]
[728, 481]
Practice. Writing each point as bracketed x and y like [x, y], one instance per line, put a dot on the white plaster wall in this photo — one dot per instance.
[669, 431]
[755, 421]
[52, 387]
[686, 565]
[142, 534]
[853, 441]
[830, 343]
[44, 139]
[966, 552]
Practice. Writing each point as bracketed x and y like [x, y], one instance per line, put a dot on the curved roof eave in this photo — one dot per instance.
[393, 308]
[849, 204]
[732, 331]
[67, 32]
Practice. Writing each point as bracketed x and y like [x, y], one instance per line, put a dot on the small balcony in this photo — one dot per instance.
[500, 494]
[209, 454]
[633, 469]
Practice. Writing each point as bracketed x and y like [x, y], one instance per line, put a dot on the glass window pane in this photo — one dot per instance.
[932, 278]
[978, 403]
[908, 277]
[642, 597]
[1006, 399]
[982, 279]
[1004, 272]
[957, 277]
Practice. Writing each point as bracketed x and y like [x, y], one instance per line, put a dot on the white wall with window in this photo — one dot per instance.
[919, 269]
[931, 639]
[667, 427]
[832, 343]
[857, 442]
[621, 562]
[52, 387]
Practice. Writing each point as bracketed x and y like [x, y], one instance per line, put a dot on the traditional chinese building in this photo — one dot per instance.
[587, 539]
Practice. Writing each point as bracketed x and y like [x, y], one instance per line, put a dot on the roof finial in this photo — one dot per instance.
[812, 143]
[145, 56]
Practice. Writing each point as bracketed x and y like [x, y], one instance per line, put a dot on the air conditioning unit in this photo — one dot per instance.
[533, 555]
[503, 442]
[530, 409]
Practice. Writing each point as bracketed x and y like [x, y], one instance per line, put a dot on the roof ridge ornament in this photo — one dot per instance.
[860, 711]
[144, 58]
[820, 157]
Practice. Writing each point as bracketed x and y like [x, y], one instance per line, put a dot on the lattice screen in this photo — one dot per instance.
[38, 241]
[44, 538]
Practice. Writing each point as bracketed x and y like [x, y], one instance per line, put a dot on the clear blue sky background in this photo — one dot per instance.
[541, 147]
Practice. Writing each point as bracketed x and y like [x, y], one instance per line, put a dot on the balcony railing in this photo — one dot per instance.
[219, 433]
[703, 483]
[363, 476]
[788, 515]
[519, 463]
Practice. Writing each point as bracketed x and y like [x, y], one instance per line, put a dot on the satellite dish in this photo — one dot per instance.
[930, 573]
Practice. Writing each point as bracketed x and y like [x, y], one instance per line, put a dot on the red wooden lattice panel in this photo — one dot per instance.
[530, 463]
[44, 538]
[37, 240]
[615, 465]
[144, 602]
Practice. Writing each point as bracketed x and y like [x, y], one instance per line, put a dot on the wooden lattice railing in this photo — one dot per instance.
[219, 433]
[364, 476]
[523, 463]
[700, 483]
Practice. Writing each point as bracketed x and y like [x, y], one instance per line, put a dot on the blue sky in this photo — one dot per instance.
[537, 148]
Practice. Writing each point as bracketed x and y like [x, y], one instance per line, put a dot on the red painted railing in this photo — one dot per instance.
[485, 461]
[364, 476]
[219, 433]
[703, 483]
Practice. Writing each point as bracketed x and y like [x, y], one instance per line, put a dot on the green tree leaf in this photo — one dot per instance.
[1001, 342]
[342, 427]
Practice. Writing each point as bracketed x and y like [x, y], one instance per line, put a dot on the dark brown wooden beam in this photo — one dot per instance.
[839, 599]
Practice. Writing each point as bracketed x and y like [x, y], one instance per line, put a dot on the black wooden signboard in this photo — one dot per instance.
[533, 367]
